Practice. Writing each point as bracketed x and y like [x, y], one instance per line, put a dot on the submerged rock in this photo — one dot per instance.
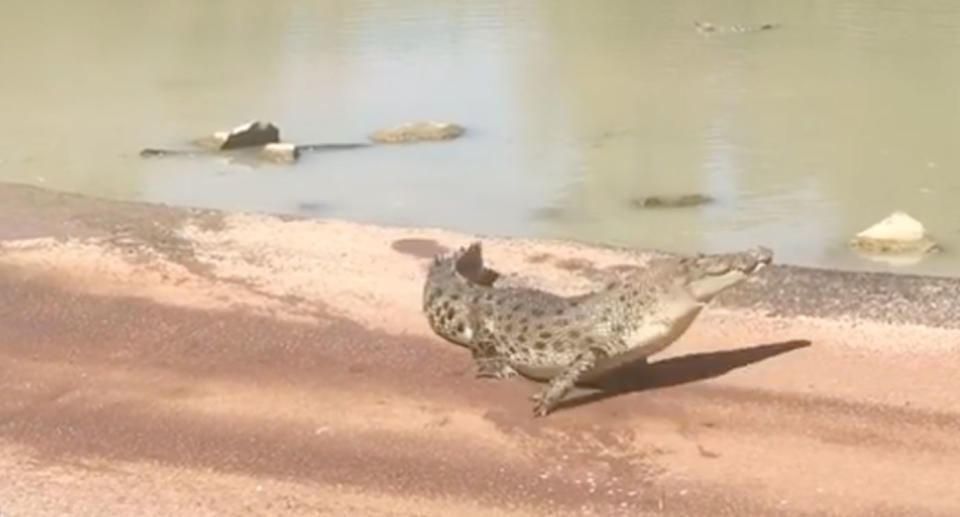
[551, 213]
[670, 201]
[897, 234]
[314, 207]
[417, 131]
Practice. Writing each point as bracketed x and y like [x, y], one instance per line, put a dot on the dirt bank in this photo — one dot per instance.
[160, 361]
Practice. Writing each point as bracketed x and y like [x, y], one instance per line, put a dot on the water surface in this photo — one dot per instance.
[804, 135]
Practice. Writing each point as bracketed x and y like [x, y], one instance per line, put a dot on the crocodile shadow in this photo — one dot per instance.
[679, 370]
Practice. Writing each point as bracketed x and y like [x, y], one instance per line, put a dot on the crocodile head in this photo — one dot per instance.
[709, 275]
[451, 279]
[463, 265]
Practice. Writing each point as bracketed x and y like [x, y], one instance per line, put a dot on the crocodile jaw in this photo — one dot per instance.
[705, 288]
[713, 274]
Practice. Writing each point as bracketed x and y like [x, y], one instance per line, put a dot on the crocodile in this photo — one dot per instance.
[151, 152]
[573, 339]
[709, 28]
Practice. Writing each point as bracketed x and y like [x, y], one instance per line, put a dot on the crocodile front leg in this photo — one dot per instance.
[560, 385]
[494, 367]
[490, 363]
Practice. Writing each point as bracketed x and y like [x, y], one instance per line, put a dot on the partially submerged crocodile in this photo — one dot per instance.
[709, 28]
[151, 152]
[568, 339]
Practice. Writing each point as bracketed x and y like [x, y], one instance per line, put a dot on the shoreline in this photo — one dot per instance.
[236, 363]
[783, 289]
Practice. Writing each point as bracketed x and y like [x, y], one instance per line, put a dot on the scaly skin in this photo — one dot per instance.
[568, 339]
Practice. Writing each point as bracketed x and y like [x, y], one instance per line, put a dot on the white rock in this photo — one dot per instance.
[281, 152]
[898, 233]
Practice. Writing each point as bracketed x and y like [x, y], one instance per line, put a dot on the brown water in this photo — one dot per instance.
[804, 134]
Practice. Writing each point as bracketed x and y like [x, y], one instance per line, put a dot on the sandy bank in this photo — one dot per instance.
[160, 361]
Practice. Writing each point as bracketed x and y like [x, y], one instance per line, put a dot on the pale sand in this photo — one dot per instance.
[232, 364]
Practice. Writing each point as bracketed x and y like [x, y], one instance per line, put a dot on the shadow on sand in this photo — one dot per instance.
[679, 370]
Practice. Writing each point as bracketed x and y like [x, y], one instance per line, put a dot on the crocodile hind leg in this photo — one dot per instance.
[560, 385]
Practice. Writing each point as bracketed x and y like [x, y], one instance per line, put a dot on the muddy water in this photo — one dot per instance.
[804, 134]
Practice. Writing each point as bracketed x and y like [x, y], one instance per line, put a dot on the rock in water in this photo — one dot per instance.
[416, 132]
[251, 134]
[898, 234]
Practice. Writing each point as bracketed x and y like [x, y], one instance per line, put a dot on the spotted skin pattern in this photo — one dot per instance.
[569, 339]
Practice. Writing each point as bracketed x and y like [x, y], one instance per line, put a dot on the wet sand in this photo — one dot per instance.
[161, 361]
